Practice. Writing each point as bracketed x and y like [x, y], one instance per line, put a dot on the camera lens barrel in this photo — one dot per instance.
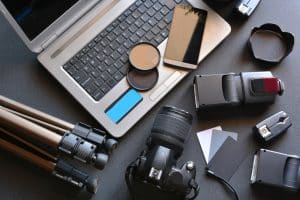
[171, 127]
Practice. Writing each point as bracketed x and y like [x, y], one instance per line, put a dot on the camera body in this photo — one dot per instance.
[156, 165]
[158, 168]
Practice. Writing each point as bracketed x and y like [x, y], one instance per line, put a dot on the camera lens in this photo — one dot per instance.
[171, 128]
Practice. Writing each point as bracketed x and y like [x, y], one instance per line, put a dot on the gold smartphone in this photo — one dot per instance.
[185, 38]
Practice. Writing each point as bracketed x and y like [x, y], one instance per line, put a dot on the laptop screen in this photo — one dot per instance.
[34, 16]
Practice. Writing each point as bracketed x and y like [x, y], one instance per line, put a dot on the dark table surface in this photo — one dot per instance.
[22, 78]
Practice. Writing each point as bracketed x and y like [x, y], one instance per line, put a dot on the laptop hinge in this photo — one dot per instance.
[48, 41]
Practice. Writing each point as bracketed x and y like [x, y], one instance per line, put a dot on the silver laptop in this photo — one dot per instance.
[84, 45]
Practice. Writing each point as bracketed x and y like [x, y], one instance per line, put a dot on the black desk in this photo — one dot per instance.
[22, 78]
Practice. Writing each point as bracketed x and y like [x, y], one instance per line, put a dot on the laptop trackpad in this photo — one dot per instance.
[120, 108]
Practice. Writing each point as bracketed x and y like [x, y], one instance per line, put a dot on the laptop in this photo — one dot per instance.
[84, 44]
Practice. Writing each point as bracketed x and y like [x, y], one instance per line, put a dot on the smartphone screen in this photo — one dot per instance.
[184, 43]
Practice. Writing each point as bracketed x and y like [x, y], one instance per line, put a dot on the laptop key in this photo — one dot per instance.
[148, 3]
[138, 2]
[128, 44]
[124, 69]
[124, 26]
[104, 42]
[117, 31]
[121, 50]
[91, 44]
[85, 83]
[159, 39]
[85, 49]
[158, 16]
[101, 56]
[118, 64]
[87, 68]
[81, 76]
[124, 58]
[133, 28]
[118, 76]
[108, 61]
[98, 82]
[151, 12]
[164, 33]
[103, 33]
[111, 36]
[111, 70]
[140, 33]
[67, 66]
[85, 59]
[146, 27]
[145, 17]
[168, 18]
[139, 23]
[133, 7]
[98, 94]
[115, 55]
[162, 24]
[98, 38]
[120, 40]
[94, 62]
[92, 53]
[142, 9]
[130, 20]
[110, 28]
[134, 38]
[127, 13]
[91, 88]
[111, 82]
[78, 65]
[149, 36]
[104, 88]
[114, 45]
[165, 10]
[152, 22]
[126, 34]
[104, 76]
[95, 73]
[136, 14]
[107, 51]
[157, 6]
[170, 4]
[121, 18]
[155, 30]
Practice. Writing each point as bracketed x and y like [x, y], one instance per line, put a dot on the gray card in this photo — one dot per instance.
[217, 139]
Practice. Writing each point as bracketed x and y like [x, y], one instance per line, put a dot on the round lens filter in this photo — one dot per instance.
[142, 80]
[144, 56]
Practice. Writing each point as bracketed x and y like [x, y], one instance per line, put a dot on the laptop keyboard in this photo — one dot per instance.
[103, 62]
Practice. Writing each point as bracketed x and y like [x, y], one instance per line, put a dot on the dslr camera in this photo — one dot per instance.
[156, 165]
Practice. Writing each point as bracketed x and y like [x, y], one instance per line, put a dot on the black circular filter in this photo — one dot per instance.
[142, 80]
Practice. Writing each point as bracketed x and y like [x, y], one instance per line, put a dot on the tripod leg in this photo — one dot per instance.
[37, 121]
[21, 108]
[43, 152]
[36, 160]
[61, 169]
[29, 129]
